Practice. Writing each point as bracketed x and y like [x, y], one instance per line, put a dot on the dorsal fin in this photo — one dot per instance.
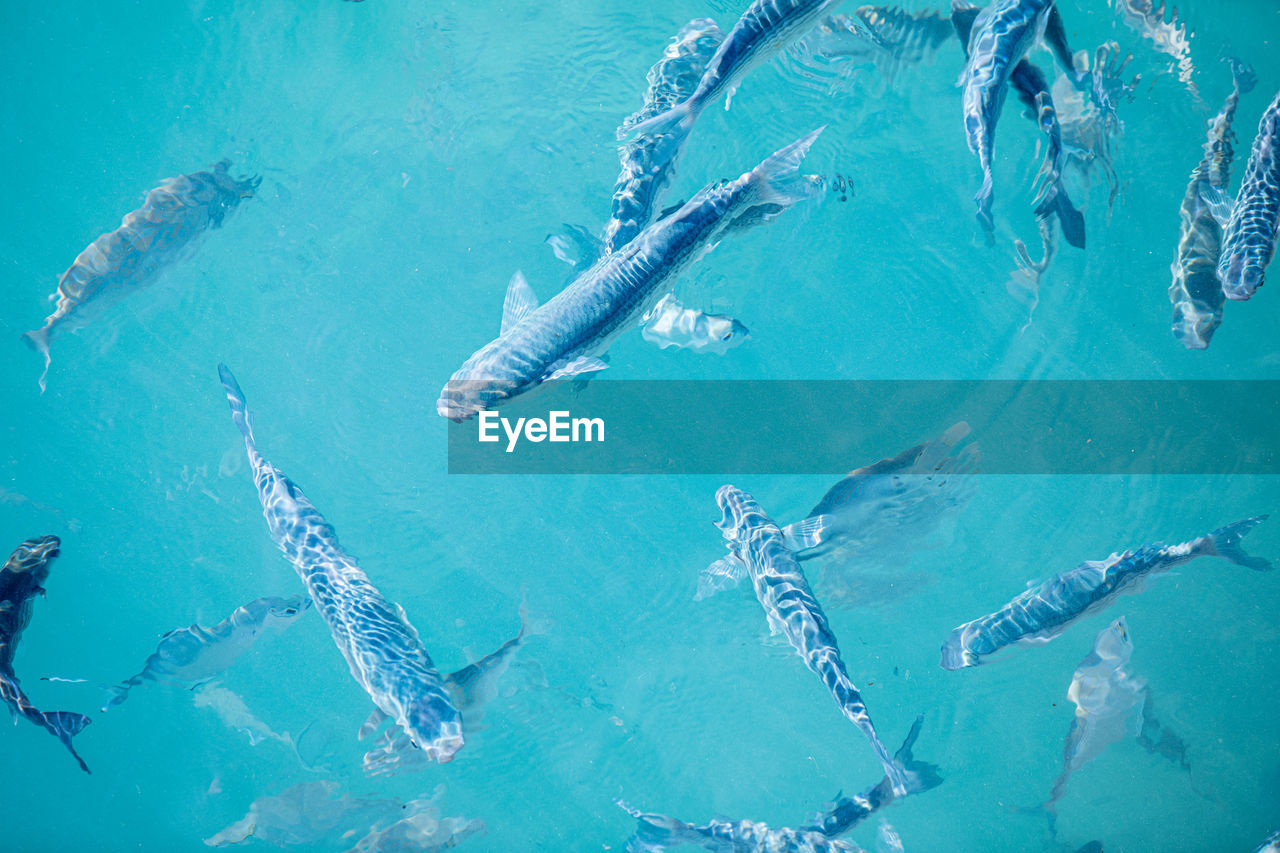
[519, 302]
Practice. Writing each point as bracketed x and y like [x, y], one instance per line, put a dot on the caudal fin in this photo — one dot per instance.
[1070, 219]
[38, 340]
[235, 397]
[777, 180]
[1225, 542]
[65, 725]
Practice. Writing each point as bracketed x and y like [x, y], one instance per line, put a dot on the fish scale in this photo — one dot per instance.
[1249, 241]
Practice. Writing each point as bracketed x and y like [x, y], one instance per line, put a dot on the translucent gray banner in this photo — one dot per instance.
[830, 427]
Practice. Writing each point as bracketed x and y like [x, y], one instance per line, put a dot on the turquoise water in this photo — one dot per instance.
[413, 157]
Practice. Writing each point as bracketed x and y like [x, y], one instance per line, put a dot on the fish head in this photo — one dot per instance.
[724, 333]
[1194, 329]
[955, 653]
[33, 555]
[281, 612]
[1113, 643]
[435, 726]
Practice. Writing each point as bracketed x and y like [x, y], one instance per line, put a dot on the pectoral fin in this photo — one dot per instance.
[376, 719]
[582, 364]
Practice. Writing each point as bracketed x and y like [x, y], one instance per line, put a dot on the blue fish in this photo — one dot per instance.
[1196, 292]
[1032, 89]
[1271, 844]
[381, 648]
[784, 593]
[658, 832]
[764, 29]
[567, 335]
[1000, 36]
[845, 813]
[1046, 610]
[1249, 241]
[21, 580]
[888, 507]
[149, 239]
[192, 656]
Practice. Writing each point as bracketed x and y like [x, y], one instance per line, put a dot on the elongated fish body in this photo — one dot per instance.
[658, 832]
[305, 813]
[1032, 89]
[886, 508]
[1271, 844]
[1046, 610]
[847, 812]
[1002, 34]
[150, 238]
[1109, 703]
[382, 649]
[764, 29]
[1196, 292]
[792, 610]
[21, 580]
[564, 336]
[191, 656]
[421, 829]
[648, 161]
[885, 37]
[1249, 242]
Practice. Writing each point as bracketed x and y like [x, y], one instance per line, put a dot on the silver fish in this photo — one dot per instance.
[1249, 241]
[235, 714]
[792, 610]
[1109, 703]
[381, 648]
[1000, 37]
[671, 324]
[764, 29]
[304, 814]
[1046, 610]
[1271, 844]
[845, 813]
[648, 161]
[889, 507]
[21, 579]
[1196, 292]
[192, 656]
[420, 829]
[566, 336]
[658, 832]
[149, 239]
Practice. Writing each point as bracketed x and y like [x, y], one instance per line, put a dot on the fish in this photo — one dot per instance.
[764, 29]
[1168, 37]
[566, 336]
[1249, 240]
[1196, 292]
[149, 239]
[889, 507]
[792, 610]
[671, 324]
[885, 36]
[1047, 609]
[305, 813]
[419, 828]
[235, 714]
[844, 813]
[1271, 844]
[470, 689]
[381, 647]
[657, 832]
[648, 161]
[194, 656]
[1032, 89]
[1109, 703]
[1000, 36]
[21, 579]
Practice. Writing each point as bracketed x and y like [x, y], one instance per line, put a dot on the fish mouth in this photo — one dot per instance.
[443, 749]
[956, 656]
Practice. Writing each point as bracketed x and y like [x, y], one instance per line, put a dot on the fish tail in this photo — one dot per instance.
[985, 198]
[679, 118]
[1069, 219]
[235, 397]
[920, 775]
[65, 725]
[777, 180]
[115, 695]
[1225, 542]
[38, 340]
